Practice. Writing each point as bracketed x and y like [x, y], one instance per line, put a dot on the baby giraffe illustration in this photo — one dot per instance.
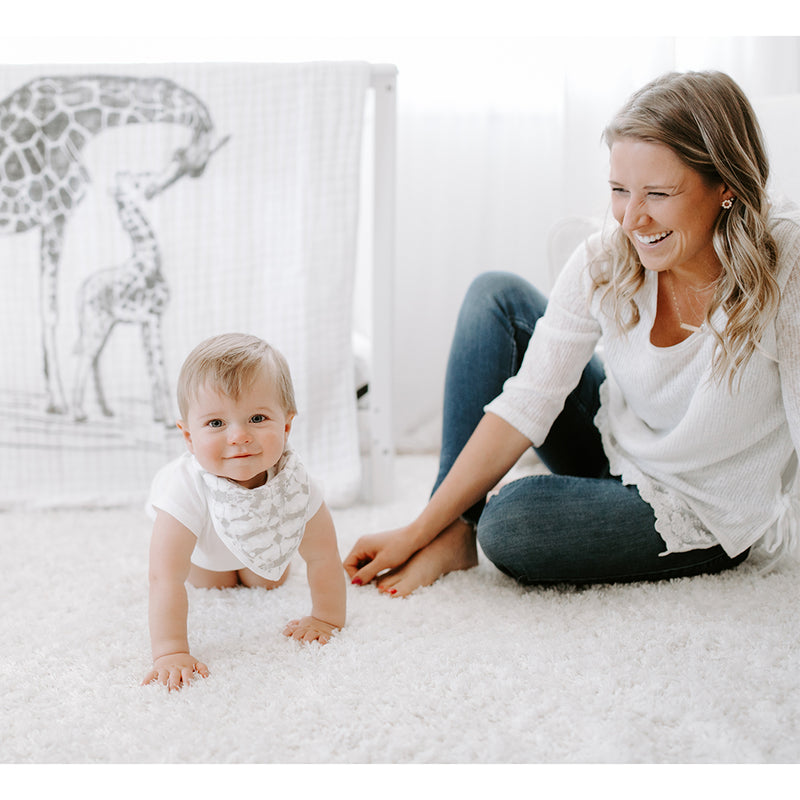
[134, 292]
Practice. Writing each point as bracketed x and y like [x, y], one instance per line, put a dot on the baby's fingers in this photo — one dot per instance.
[174, 677]
[310, 635]
[201, 669]
[185, 675]
[174, 680]
[150, 677]
[291, 627]
[302, 630]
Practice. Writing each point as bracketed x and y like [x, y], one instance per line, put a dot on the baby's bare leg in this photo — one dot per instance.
[250, 578]
[209, 579]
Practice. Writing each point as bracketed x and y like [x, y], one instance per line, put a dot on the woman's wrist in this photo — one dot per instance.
[419, 534]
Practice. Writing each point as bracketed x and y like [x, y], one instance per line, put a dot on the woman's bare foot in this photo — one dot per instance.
[453, 549]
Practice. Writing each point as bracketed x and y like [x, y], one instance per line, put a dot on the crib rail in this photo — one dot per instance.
[380, 475]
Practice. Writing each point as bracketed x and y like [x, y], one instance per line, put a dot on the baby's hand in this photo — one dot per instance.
[175, 670]
[310, 629]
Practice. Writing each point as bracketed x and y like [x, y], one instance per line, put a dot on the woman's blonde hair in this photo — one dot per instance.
[708, 122]
[230, 363]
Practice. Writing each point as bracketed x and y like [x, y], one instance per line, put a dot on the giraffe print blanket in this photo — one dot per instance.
[162, 204]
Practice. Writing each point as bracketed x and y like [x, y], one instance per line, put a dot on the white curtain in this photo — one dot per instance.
[499, 139]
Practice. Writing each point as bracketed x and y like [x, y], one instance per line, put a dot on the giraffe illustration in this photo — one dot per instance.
[44, 125]
[134, 292]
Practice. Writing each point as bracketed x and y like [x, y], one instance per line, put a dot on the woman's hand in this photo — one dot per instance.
[494, 447]
[377, 552]
[491, 451]
[175, 670]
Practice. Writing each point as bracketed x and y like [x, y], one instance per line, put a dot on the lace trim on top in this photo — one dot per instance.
[783, 538]
[676, 523]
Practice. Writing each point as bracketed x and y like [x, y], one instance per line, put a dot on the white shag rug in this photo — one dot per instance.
[474, 669]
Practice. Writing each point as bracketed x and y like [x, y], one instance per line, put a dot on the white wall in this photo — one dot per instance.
[481, 180]
[499, 135]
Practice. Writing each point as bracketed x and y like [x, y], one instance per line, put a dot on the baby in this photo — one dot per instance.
[238, 505]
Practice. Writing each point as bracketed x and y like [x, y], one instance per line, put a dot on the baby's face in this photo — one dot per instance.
[237, 439]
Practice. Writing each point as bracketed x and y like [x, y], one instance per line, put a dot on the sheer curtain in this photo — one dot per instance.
[499, 139]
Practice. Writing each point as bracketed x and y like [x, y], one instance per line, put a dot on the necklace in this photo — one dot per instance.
[685, 325]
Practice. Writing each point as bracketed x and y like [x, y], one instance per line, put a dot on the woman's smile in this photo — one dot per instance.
[653, 238]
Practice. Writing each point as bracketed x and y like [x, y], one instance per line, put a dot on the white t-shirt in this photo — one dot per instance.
[235, 527]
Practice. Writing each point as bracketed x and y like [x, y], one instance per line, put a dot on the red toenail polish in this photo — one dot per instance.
[394, 591]
[357, 581]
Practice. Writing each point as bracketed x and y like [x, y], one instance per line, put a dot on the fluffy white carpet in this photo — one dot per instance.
[472, 669]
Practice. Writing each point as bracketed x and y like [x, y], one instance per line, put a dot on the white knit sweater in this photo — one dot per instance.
[716, 465]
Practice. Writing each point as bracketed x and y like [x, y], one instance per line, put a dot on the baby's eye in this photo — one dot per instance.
[215, 423]
[258, 418]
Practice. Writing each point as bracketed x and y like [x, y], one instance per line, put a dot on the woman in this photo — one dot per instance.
[673, 455]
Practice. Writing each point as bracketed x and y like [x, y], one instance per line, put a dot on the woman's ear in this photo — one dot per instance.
[726, 195]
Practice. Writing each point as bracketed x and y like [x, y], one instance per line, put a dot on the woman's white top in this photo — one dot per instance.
[235, 527]
[717, 465]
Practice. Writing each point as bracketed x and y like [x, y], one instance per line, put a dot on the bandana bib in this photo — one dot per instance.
[262, 527]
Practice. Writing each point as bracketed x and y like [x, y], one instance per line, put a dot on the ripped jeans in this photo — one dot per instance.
[579, 524]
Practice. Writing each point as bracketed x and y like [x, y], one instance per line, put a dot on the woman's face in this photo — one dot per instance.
[665, 208]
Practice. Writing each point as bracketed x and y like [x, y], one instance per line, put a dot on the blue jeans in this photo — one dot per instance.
[579, 524]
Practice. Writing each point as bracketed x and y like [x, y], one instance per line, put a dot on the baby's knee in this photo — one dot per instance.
[209, 579]
[250, 578]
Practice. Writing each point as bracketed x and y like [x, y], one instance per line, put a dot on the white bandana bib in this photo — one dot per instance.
[262, 527]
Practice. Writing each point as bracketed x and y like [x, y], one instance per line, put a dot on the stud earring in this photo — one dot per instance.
[726, 204]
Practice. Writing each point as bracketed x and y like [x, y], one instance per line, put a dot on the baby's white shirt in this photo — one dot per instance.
[183, 489]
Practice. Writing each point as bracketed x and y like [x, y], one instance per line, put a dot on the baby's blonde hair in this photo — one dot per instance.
[230, 363]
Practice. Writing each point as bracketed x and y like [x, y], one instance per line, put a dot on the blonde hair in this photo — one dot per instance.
[708, 122]
[231, 362]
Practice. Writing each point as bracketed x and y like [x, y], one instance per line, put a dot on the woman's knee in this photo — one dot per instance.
[504, 530]
[503, 297]
[495, 286]
[553, 528]
[493, 281]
